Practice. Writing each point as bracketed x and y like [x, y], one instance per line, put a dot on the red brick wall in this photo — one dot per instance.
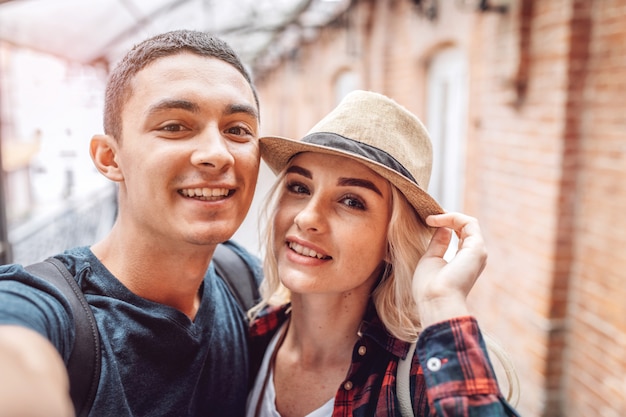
[545, 169]
[595, 370]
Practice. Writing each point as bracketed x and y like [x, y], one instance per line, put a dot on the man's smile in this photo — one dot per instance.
[207, 194]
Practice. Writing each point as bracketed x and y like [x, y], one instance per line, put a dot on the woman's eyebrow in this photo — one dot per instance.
[295, 169]
[359, 182]
[343, 181]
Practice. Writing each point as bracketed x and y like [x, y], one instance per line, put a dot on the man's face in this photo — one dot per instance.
[188, 155]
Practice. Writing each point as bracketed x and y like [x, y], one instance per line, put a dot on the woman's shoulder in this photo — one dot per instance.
[268, 320]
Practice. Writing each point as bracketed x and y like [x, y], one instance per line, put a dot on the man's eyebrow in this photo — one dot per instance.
[172, 105]
[295, 169]
[168, 104]
[242, 108]
[359, 182]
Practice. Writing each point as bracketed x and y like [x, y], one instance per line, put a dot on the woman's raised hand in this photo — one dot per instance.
[440, 288]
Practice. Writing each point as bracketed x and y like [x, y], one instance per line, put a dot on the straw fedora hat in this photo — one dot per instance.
[376, 131]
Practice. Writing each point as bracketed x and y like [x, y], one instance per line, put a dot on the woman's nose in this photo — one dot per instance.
[311, 218]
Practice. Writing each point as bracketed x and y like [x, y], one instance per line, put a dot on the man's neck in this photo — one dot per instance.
[166, 275]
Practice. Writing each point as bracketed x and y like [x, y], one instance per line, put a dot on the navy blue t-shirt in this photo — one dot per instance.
[155, 361]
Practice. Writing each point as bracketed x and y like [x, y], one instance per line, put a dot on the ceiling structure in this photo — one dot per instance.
[101, 31]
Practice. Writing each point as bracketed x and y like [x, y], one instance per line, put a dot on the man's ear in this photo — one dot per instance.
[103, 150]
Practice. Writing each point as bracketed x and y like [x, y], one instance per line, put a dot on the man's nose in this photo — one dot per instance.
[211, 150]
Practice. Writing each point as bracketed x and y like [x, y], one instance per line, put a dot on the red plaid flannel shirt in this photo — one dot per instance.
[458, 379]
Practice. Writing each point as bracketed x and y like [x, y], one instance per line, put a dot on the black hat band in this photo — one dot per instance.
[342, 143]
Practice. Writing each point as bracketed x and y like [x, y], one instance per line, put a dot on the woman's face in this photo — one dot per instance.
[330, 226]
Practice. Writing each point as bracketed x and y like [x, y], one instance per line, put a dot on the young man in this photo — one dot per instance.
[181, 128]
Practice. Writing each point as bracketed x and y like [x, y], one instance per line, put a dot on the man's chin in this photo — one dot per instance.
[214, 235]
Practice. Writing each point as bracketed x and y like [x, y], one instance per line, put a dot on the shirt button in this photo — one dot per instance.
[362, 350]
[347, 385]
[433, 364]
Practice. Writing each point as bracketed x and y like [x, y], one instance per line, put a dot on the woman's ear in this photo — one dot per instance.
[387, 258]
[103, 150]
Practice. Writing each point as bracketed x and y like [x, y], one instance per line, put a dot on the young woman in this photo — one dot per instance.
[355, 273]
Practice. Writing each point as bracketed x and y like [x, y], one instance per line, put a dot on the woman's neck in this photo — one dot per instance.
[316, 352]
[322, 330]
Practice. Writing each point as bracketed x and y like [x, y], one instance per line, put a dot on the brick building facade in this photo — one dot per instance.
[539, 105]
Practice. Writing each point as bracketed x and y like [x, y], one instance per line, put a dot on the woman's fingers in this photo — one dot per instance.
[439, 243]
[440, 287]
[435, 277]
[466, 228]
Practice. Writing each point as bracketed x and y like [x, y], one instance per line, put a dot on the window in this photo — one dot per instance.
[446, 122]
[345, 82]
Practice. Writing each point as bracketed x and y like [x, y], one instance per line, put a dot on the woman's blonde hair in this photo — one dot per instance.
[407, 240]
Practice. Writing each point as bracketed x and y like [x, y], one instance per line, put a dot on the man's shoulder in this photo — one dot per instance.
[17, 270]
[240, 271]
[252, 261]
[76, 258]
[28, 300]
[268, 320]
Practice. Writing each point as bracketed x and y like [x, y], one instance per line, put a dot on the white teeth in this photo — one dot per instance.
[305, 251]
[205, 192]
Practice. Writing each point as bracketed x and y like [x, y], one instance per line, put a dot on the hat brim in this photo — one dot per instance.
[276, 151]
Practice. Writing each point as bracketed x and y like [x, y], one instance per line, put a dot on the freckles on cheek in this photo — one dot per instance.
[378, 239]
[278, 235]
[283, 215]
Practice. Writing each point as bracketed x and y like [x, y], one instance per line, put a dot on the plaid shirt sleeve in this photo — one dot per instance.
[460, 380]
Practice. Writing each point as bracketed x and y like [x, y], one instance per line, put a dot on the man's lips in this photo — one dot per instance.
[207, 194]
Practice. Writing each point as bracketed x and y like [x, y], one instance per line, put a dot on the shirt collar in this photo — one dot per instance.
[371, 327]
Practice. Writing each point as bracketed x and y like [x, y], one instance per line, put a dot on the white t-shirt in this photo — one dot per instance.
[264, 387]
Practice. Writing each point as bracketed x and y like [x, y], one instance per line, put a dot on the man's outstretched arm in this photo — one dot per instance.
[33, 377]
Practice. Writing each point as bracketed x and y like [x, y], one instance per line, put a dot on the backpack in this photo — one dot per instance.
[403, 385]
[85, 360]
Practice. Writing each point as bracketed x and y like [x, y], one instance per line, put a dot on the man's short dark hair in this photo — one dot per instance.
[119, 89]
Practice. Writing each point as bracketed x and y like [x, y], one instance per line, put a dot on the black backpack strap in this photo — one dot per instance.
[84, 363]
[237, 275]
